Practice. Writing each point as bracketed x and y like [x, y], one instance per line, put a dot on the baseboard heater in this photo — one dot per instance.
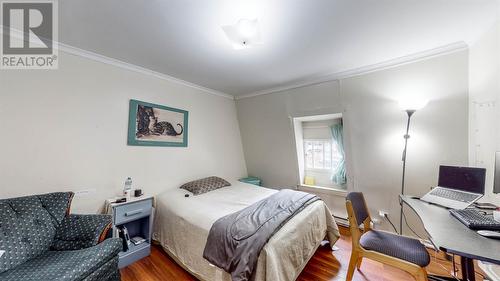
[341, 221]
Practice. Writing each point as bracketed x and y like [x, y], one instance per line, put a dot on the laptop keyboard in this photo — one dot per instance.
[453, 195]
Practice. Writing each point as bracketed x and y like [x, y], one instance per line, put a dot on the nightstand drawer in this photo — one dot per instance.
[132, 211]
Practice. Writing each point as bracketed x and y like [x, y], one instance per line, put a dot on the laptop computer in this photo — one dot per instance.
[458, 187]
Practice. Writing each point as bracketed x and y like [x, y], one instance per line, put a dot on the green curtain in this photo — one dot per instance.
[338, 172]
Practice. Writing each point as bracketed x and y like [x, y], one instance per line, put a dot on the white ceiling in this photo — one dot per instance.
[301, 38]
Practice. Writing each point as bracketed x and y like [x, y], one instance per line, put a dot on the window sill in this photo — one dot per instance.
[328, 190]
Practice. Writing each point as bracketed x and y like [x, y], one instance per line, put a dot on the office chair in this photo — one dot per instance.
[402, 252]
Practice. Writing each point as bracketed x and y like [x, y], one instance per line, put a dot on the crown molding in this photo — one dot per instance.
[412, 58]
[139, 69]
[121, 64]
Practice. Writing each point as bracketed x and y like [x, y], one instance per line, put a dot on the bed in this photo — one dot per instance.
[182, 225]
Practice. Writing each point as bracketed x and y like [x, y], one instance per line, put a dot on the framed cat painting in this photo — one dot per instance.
[157, 125]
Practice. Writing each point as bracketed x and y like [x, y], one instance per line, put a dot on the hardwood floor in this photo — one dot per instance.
[324, 265]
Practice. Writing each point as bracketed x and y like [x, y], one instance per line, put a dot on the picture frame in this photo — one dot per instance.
[152, 124]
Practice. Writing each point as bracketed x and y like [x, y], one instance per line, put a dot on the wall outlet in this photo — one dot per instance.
[382, 214]
[85, 192]
[376, 221]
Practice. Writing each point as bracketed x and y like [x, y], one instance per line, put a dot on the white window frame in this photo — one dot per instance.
[299, 143]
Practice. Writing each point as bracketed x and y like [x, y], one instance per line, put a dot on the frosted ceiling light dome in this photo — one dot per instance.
[244, 34]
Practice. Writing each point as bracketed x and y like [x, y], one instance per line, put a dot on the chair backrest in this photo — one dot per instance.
[28, 225]
[358, 214]
[359, 206]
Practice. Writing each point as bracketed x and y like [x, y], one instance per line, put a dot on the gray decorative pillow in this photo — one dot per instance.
[205, 185]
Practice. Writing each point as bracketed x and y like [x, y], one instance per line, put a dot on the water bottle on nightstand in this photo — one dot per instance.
[127, 189]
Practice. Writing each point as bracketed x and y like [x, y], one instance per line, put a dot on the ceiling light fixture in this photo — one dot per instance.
[244, 34]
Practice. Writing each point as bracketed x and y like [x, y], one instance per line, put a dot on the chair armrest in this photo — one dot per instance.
[81, 231]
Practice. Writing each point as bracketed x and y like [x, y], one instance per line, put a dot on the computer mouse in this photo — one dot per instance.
[489, 234]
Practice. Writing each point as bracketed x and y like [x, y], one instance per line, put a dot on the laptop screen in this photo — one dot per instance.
[462, 178]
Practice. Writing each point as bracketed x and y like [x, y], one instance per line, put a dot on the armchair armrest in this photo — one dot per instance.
[81, 231]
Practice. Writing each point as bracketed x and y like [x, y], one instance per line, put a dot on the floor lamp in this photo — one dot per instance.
[410, 108]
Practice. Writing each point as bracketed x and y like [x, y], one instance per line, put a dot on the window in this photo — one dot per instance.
[321, 155]
[320, 150]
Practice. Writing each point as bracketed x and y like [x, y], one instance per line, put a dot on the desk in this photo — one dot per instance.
[451, 236]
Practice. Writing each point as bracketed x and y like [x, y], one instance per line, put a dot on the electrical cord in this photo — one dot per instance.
[443, 267]
[435, 251]
[454, 265]
[387, 218]
[455, 270]
[454, 275]
[409, 227]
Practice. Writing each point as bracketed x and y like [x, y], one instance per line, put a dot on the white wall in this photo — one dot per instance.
[439, 132]
[484, 81]
[267, 129]
[66, 129]
[373, 128]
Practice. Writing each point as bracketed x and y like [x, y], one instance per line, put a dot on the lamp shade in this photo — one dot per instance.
[412, 104]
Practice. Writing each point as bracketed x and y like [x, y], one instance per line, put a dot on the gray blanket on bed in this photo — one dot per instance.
[235, 241]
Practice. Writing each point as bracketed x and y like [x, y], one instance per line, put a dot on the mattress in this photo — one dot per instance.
[182, 225]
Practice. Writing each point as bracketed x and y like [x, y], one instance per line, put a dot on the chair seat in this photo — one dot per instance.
[404, 248]
[65, 265]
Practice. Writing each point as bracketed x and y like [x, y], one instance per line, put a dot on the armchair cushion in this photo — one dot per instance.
[28, 225]
[81, 231]
[81, 264]
[107, 272]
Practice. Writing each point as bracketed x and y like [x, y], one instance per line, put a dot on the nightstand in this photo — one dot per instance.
[137, 216]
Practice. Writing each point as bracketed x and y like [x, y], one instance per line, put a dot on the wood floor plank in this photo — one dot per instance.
[325, 265]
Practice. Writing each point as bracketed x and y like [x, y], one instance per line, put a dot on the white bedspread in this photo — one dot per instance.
[182, 225]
